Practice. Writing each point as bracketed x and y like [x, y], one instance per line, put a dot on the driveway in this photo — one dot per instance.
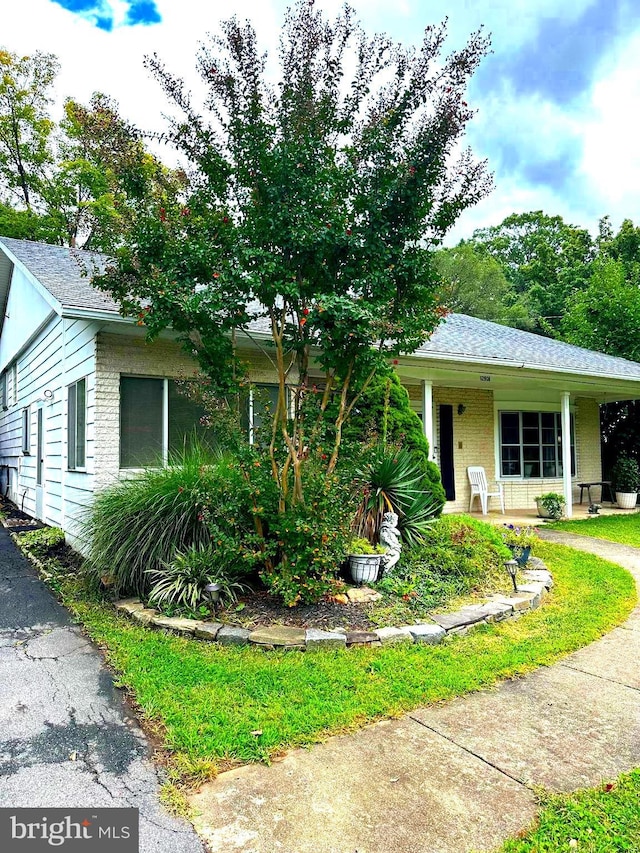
[66, 737]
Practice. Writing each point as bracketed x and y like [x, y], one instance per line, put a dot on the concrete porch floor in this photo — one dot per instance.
[530, 515]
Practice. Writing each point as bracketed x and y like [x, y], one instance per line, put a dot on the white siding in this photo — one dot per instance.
[61, 353]
[26, 312]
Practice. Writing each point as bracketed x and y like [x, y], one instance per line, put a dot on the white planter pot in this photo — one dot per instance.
[626, 500]
[364, 567]
[542, 512]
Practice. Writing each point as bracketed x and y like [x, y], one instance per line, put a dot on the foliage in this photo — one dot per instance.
[383, 414]
[391, 481]
[457, 555]
[25, 126]
[182, 582]
[606, 315]
[207, 700]
[361, 546]
[307, 542]
[312, 206]
[626, 475]
[616, 528]
[42, 540]
[522, 537]
[593, 820]
[140, 524]
[553, 503]
[73, 182]
[101, 166]
[544, 259]
[475, 283]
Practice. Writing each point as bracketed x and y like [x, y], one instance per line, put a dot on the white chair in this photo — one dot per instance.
[480, 489]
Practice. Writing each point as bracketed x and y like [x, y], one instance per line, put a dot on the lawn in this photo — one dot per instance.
[616, 528]
[598, 820]
[214, 706]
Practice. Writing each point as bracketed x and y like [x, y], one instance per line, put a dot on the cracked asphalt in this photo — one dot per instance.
[67, 739]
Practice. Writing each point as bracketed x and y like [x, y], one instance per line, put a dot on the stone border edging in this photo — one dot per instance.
[498, 608]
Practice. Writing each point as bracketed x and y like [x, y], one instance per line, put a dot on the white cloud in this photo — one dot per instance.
[611, 156]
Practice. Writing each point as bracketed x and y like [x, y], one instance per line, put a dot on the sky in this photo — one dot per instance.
[557, 100]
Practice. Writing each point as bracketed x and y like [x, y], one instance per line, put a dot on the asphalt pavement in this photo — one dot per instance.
[67, 739]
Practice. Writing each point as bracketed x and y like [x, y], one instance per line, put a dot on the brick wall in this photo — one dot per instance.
[474, 444]
[473, 436]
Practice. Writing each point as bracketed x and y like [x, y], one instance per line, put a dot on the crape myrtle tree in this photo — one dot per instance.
[313, 204]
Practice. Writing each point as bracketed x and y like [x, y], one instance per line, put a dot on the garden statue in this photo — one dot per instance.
[390, 539]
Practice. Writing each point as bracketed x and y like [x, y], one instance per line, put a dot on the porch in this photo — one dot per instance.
[533, 431]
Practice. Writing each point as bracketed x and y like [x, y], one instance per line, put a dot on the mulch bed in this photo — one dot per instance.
[259, 608]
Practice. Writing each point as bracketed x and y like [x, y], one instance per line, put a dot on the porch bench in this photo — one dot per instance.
[602, 483]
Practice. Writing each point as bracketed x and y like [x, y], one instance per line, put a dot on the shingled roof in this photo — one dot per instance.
[463, 337]
[62, 271]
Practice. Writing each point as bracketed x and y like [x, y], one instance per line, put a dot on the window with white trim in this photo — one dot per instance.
[12, 381]
[531, 445]
[3, 390]
[256, 407]
[77, 425]
[156, 420]
[26, 431]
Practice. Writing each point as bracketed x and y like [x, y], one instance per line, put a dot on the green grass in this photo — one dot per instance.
[208, 702]
[598, 820]
[616, 528]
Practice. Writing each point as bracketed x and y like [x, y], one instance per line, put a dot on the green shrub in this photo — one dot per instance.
[138, 525]
[457, 556]
[391, 481]
[626, 475]
[553, 503]
[384, 414]
[307, 542]
[42, 540]
[361, 546]
[181, 583]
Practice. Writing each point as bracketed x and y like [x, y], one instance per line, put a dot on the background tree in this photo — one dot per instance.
[475, 283]
[25, 125]
[101, 165]
[544, 259]
[311, 212]
[69, 183]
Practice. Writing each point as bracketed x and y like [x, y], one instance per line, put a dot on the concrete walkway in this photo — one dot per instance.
[66, 739]
[449, 778]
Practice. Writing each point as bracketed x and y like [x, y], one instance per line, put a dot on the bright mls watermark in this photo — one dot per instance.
[71, 830]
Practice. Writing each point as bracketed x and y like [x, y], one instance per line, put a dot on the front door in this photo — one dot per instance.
[40, 467]
[445, 418]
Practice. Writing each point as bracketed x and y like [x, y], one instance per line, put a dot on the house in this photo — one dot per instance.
[85, 398]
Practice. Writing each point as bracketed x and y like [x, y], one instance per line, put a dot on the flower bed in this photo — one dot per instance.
[499, 607]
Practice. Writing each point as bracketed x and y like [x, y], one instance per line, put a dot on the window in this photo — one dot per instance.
[156, 420]
[261, 401]
[13, 376]
[531, 445]
[26, 432]
[3, 390]
[77, 425]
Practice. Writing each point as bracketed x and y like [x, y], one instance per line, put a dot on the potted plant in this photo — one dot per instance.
[626, 479]
[364, 560]
[520, 541]
[550, 505]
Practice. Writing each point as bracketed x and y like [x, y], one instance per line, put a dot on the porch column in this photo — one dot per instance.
[427, 413]
[566, 453]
